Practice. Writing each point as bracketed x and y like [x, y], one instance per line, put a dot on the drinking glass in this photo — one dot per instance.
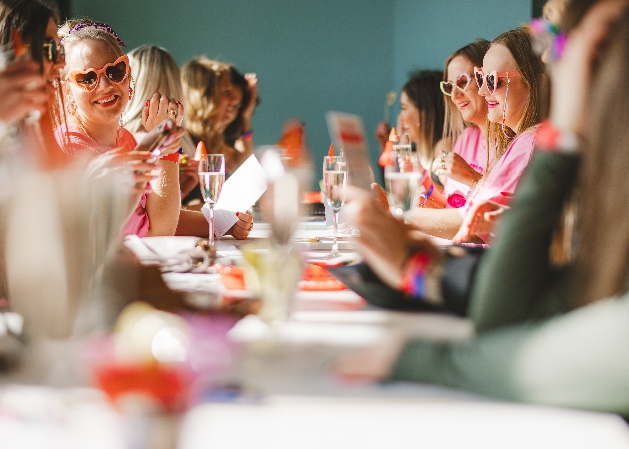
[211, 178]
[334, 182]
[403, 180]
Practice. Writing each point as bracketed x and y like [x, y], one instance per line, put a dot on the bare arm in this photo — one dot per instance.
[444, 223]
[192, 222]
[164, 201]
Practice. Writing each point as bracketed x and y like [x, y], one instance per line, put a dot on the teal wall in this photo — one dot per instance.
[312, 56]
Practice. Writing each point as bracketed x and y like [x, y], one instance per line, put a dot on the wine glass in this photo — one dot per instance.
[334, 182]
[403, 180]
[211, 178]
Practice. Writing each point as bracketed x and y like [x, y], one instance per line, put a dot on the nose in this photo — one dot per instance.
[483, 89]
[456, 93]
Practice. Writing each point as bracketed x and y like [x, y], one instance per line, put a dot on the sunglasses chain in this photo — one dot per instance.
[504, 109]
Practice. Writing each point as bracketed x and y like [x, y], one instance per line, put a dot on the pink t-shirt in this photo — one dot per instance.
[470, 146]
[86, 147]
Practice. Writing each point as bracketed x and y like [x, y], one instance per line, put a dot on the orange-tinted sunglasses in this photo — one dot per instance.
[116, 72]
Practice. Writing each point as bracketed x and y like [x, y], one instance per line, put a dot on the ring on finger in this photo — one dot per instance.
[172, 113]
[443, 164]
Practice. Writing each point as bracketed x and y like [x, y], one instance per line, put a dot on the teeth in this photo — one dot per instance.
[106, 100]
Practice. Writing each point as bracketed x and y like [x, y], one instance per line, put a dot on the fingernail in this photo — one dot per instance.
[237, 214]
[146, 105]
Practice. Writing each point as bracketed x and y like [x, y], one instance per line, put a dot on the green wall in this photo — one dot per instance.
[312, 56]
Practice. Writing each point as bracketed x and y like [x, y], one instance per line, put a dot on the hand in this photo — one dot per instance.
[455, 167]
[188, 176]
[158, 109]
[384, 242]
[481, 218]
[172, 142]
[571, 75]
[373, 364]
[133, 162]
[380, 194]
[22, 89]
[382, 133]
[243, 226]
[252, 86]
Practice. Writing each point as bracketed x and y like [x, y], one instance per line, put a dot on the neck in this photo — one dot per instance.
[105, 134]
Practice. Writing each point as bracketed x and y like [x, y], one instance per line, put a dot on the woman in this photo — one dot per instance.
[213, 103]
[513, 110]
[528, 348]
[156, 82]
[466, 122]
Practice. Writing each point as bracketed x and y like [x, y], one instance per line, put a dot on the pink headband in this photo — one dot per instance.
[101, 26]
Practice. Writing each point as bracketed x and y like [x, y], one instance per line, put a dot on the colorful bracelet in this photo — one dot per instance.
[550, 138]
[413, 276]
[247, 135]
[423, 198]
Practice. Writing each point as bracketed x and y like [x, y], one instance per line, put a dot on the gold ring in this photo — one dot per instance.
[172, 114]
[251, 227]
[443, 164]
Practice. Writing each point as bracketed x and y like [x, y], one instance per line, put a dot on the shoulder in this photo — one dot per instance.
[126, 139]
[469, 139]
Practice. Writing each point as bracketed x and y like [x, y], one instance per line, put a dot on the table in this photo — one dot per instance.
[290, 398]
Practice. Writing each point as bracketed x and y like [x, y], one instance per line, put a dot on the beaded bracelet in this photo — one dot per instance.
[414, 274]
[247, 135]
[424, 196]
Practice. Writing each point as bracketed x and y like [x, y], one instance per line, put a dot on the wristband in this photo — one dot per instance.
[551, 139]
[172, 157]
[247, 135]
[413, 276]
[424, 196]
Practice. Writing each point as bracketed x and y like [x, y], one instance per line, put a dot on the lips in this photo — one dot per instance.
[462, 105]
[107, 101]
[491, 103]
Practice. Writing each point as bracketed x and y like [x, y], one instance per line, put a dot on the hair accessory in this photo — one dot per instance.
[545, 35]
[98, 25]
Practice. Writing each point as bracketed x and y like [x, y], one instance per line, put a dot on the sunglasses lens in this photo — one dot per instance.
[118, 72]
[446, 88]
[479, 79]
[462, 82]
[86, 80]
[491, 83]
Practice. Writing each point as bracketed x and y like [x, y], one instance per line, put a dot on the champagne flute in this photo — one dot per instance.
[334, 182]
[404, 180]
[211, 178]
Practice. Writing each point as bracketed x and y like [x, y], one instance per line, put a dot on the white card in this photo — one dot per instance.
[244, 187]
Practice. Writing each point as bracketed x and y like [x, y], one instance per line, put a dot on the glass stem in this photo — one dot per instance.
[335, 243]
[211, 231]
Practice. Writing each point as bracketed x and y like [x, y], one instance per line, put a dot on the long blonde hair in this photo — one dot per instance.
[155, 71]
[453, 124]
[531, 70]
[201, 79]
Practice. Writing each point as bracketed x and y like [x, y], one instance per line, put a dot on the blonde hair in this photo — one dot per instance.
[531, 71]
[454, 124]
[201, 79]
[155, 71]
[88, 32]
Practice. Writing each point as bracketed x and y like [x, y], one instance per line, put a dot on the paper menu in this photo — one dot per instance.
[244, 187]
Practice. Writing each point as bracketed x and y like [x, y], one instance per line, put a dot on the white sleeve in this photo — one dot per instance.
[223, 220]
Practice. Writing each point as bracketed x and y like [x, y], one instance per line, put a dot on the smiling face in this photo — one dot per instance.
[408, 119]
[229, 102]
[472, 106]
[498, 58]
[104, 104]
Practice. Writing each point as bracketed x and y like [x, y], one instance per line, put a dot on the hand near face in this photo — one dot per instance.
[22, 89]
[382, 134]
[160, 108]
[455, 167]
[243, 226]
[252, 86]
[481, 218]
[172, 142]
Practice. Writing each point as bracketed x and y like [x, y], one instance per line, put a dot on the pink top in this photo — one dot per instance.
[86, 147]
[470, 146]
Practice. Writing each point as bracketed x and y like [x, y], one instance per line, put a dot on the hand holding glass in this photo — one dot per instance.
[211, 178]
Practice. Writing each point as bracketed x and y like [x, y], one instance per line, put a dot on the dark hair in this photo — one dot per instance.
[30, 19]
[475, 52]
[236, 128]
[423, 91]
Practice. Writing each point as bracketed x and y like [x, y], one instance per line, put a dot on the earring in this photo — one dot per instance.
[71, 108]
[130, 92]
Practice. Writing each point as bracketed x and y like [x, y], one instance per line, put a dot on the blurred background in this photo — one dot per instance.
[312, 56]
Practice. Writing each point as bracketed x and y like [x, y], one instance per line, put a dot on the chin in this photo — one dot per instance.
[494, 116]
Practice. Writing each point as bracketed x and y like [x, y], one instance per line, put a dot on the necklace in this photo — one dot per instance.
[84, 130]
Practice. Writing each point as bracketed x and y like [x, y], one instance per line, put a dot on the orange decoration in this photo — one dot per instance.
[201, 152]
[387, 152]
[316, 278]
[393, 137]
[18, 44]
[293, 141]
[233, 277]
[331, 150]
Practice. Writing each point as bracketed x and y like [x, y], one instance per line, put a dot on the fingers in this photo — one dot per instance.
[243, 226]
[153, 135]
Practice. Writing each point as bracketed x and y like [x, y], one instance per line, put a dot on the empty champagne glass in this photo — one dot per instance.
[334, 182]
[211, 178]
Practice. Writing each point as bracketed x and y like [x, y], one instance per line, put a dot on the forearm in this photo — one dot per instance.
[192, 222]
[164, 201]
[575, 360]
[515, 272]
[443, 223]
